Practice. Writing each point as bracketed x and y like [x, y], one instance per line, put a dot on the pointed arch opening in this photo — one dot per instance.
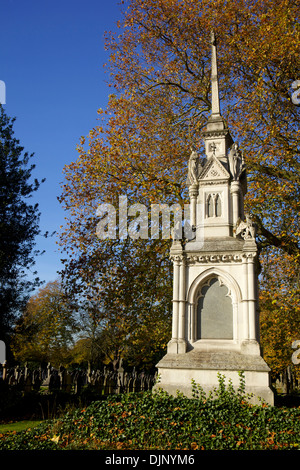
[218, 206]
[210, 206]
[231, 291]
[213, 205]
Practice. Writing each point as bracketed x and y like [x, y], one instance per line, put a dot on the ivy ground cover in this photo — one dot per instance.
[156, 420]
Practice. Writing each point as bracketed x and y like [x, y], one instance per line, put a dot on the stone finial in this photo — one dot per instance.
[215, 100]
[216, 135]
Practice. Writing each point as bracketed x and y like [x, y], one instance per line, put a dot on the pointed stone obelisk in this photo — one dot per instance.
[215, 322]
[215, 97]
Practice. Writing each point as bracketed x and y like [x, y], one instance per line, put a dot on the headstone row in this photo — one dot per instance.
[102, 382]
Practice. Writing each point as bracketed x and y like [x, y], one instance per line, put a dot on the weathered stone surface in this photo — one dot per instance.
[214, 360]
[214, 312]
[218, 245]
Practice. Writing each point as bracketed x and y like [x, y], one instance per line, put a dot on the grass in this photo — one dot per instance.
[148, 421]
[18, 426]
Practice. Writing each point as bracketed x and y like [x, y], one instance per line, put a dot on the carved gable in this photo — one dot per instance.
[214, 170]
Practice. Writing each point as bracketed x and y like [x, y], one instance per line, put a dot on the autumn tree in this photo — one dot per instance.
[160, 75]
[44, 333]
[87, 345]
[19, 226]
[120, 291]
[279, 305]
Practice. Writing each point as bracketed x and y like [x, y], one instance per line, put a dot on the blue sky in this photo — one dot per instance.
[51, 60]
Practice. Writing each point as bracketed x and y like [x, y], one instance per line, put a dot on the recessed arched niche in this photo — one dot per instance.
[214, 311]
[213, 205]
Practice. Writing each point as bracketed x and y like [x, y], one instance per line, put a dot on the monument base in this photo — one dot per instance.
[176, 372]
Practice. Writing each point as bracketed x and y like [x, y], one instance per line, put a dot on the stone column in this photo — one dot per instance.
[192, 322]
[251, 296]
[173, 343]
[245, 298]
[235, 191]
[182, 304]
[193, 192]
[175, 299]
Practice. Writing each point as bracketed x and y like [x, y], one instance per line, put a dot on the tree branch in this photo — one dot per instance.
[287, 244]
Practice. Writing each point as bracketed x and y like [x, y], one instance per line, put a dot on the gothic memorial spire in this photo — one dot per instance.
[215, 320]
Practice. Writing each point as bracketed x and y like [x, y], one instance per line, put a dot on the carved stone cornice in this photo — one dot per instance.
[212, 182]
[249, 255]
[193, 191]
[211, 133]
[215, 258]
[177, 258]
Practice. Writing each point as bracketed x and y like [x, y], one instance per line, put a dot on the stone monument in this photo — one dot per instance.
[215, 321]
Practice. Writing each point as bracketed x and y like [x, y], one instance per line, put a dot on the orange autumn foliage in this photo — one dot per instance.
[160, 75]
[44, 332]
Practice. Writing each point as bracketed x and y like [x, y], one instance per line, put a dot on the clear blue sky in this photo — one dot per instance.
[51, 60]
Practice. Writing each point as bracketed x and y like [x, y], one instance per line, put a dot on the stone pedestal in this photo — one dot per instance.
[176, 372]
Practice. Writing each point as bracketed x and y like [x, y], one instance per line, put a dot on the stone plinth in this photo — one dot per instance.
[176, 372]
